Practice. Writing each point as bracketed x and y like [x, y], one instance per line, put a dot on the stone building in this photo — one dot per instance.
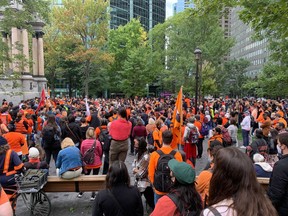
[23, 77]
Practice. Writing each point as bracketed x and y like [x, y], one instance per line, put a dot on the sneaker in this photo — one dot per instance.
[80, 195]
[92, 198]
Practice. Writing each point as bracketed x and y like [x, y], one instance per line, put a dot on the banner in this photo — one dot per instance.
[177, 121]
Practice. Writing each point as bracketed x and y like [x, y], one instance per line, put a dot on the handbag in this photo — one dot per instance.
[89, 156]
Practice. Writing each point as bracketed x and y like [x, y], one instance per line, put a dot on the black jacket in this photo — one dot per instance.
[278, 186]
[128, 198]
[74, 133]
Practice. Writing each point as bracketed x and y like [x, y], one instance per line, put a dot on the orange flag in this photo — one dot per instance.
[177, 121]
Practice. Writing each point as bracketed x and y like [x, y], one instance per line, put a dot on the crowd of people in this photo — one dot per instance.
[68, 129]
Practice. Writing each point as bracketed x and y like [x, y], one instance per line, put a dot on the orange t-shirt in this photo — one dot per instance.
[154, 161]
[157, 135]
[203, 183]
[97, 130]
[199, 126]
[216, 137]
[15, 140]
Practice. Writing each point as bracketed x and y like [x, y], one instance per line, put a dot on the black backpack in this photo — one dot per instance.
[150, 139]
[105, 139]
[48, 137]
[89, 156]
[162, 179]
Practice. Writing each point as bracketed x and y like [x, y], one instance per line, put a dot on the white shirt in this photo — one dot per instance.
[246, 123]
[222, 207]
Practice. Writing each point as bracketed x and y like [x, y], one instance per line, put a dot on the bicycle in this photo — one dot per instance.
[30, 199]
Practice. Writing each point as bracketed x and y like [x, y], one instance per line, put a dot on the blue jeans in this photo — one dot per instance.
[245, 135]
[156, 197]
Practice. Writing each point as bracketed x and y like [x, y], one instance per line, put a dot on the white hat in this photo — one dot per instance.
[258, 158]
[33, 152]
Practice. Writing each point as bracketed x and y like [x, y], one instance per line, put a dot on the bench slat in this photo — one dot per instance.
[82, 183]
[94, 183]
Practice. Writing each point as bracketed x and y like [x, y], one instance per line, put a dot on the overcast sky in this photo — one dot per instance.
[169, 8]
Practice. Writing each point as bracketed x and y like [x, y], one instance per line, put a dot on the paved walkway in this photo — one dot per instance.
[67, 204]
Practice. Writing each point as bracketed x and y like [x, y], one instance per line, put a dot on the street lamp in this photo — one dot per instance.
[147, 87]
[198, 54]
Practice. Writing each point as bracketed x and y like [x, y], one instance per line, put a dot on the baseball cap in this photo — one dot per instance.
[33, 152]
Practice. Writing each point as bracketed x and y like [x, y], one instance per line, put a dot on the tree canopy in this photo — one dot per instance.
[182, 34]
[131, 70]
[86, 24]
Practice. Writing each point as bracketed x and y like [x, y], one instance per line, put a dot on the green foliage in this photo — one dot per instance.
[271, 83]
[234, 77]
[269, 20]
[85, 24]
[22, 18]
[184, 33]
[131, 70]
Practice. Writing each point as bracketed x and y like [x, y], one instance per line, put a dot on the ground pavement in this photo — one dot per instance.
[67, 204]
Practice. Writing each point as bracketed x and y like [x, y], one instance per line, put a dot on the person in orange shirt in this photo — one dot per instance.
[181, 145]
[5, 116]
[216, 136]
[157, 135]
[203, 180]
[30, 123]
[165, 149]
[280, 111]
[10, 164]
[17, 141]
[163, 126]
[188, 102]
[114, 116]
[278, 118]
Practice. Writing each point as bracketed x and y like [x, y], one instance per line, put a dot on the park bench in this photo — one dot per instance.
[93, 183]
[82, 183]
[264, 182]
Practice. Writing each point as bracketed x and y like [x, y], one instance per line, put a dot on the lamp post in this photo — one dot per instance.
[147, 87]
[197, 53]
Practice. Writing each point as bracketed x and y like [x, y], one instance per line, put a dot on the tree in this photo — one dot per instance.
[131, 70]
[85, 22]
[184, 32]
[271, 83]
[267, 18]
[234, 76]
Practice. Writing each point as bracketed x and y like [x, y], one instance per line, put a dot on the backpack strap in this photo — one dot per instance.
[160, 152]
[173, 152]
[214, 211]
[176, 201]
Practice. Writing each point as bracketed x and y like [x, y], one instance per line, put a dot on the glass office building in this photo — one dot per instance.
[181, 5]
[256, 52]
[150, 12]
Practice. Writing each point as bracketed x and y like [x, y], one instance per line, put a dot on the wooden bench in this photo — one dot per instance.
[82, 183]
[93, 183]
[264, 182]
